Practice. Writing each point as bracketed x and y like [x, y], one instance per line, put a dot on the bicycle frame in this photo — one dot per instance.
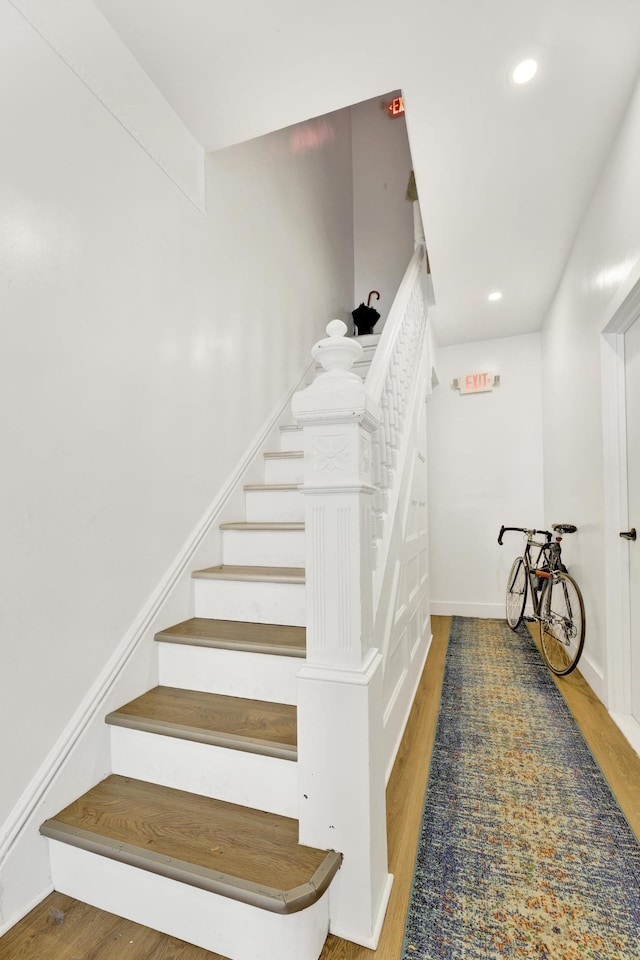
[533, 575]
[547, 561]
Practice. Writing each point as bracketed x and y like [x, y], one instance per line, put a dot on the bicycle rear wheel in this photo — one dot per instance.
[562, 623]
[516, 593]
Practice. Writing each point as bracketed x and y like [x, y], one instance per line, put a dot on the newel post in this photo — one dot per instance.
[340, 697]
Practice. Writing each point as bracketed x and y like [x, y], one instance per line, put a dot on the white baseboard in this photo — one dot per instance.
[457, 608]
[594, 677]
[629, 727]
[18, 916]
[353, 936]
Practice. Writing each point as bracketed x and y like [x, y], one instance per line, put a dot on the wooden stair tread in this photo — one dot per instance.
[263, 525]
[271, 638]
[254, 574]
[255, 726]
[242, 853]
[283, 455]
[271, 486]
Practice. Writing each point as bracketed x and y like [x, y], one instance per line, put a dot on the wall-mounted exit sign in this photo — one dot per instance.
[476, 382]
[396, 107]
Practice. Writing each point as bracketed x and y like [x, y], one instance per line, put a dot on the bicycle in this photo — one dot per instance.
[558, 607]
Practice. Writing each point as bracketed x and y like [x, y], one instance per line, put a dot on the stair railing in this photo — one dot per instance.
[399, 383]
[391, 385]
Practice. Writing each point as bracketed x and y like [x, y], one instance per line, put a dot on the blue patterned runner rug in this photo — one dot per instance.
[523, 850]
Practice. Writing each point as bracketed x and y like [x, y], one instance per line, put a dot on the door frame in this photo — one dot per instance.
[623, 310]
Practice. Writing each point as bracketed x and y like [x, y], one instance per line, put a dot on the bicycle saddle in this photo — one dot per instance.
[563, 527]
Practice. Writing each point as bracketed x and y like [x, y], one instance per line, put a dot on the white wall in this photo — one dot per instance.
[280, 212]
[130, 323]
[485, 470]
[382, 216]
[604, 255]
[81, 36]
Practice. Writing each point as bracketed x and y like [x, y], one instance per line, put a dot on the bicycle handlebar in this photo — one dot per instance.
[532, 533]
[558, 528]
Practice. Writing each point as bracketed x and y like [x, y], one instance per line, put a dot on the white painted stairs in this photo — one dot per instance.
[195, 833]
[215, 741]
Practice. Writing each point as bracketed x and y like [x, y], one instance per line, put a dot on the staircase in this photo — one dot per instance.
[245, 812]
[195, 833]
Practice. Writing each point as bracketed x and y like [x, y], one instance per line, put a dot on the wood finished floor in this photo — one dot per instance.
[617, 759]
[65, 929]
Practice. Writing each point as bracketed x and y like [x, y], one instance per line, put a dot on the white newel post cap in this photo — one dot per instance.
[337, 353]
[338, 392]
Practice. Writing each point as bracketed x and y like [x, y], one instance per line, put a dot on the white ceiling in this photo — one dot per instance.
[504, 173]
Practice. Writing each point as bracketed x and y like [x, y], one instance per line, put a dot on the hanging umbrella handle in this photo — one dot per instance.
[370, 295]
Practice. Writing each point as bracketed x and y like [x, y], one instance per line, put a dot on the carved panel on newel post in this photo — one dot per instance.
[338, 419]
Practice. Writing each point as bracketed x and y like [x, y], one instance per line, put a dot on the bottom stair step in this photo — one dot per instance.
[227, 878]
[247, 854]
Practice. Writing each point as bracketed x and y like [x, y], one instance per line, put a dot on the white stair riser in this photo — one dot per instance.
[264, 548]
[291, 439]
[265, 505]
[233, 673]
[283, 470]
[248, 600]
[252, 780]
[215, 923]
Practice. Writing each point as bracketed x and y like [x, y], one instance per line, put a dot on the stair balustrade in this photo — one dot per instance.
[391, 383]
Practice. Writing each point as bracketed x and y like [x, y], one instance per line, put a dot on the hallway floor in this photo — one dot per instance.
[102, 933]
[405, 793]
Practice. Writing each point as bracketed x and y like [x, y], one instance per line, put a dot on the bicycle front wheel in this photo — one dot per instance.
[561, 623]
[516, 593]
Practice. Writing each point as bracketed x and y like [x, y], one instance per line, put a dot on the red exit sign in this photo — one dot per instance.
[396, 107]
[477, 382]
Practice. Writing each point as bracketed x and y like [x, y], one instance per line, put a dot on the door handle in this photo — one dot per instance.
[629, 534]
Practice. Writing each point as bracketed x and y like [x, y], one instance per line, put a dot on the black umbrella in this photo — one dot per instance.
[365, 318]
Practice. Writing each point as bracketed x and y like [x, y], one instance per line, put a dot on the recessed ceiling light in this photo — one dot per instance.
[496, 295]
[525, 71]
